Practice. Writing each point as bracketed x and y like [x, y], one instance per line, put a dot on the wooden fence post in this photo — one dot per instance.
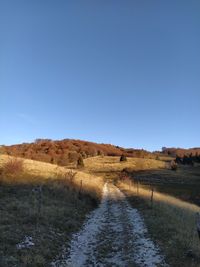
[137, 187]
[152, 191]
[198, 223]
[39, 200]
[39, 205]
[81, 185]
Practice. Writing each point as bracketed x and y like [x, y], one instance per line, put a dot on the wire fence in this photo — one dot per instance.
[186, 213]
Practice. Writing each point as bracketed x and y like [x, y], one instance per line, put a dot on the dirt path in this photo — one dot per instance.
[113, 235]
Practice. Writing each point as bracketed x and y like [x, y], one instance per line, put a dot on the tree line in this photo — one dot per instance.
[188, 160]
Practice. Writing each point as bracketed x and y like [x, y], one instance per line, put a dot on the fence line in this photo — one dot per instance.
[151, 195]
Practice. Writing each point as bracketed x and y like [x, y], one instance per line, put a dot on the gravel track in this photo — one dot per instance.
[113, 235]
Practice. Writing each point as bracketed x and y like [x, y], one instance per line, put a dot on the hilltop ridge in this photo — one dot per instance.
[66, 151]
[63, 152]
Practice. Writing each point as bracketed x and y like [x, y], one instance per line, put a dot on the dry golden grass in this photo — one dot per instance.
[145, 192]
[41, 171]
[112, 164]
[166, 158]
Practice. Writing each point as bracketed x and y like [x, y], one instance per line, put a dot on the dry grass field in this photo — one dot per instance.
[108, 164]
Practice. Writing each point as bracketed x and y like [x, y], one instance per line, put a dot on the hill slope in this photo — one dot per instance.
[67, 151]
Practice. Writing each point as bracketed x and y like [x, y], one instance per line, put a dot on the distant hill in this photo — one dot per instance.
[67, 151]
[181, 152]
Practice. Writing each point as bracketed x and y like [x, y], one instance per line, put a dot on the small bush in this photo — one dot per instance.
[13, 167]
[123, 158]
[69, 179]
[70, 175]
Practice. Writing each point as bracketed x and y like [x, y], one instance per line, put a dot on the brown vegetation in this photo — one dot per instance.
[181, 152]
[11, 170]
[68, 151]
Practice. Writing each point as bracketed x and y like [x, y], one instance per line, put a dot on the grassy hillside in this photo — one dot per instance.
[41, 204]
[36, 171]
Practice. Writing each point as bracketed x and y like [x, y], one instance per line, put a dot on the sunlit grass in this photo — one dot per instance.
[145, 192]
[113, 164]
[36, 171]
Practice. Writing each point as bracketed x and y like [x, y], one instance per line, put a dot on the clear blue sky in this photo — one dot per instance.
[120, 72]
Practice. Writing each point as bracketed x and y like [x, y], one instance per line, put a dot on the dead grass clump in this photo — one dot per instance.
[12, 167]
[70, 175]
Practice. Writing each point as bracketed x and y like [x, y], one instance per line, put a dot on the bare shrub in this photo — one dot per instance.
[70, 175]
[13, 167]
